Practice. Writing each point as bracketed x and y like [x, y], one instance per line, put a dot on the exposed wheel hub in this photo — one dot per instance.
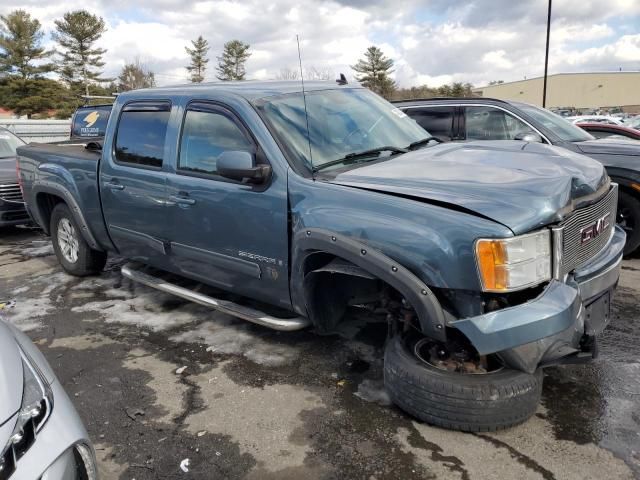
[452, 357]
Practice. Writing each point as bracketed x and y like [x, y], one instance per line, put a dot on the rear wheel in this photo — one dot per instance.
[491, 398]
[629, 219]
[73, 252]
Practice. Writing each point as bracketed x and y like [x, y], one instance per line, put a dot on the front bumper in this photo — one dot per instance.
[560, 325]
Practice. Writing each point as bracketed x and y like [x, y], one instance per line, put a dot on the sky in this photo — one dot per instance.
[432, 42]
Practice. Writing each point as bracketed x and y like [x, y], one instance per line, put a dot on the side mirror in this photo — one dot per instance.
[241, 165]
[531, 137]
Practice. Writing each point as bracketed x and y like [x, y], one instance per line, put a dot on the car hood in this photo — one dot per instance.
[609, 147]
[8, 172]
[520, 185]
[10, 376]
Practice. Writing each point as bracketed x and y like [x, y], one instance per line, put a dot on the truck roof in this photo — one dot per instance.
[249, 89]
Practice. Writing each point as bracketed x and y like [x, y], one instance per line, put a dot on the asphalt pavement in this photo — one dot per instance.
[163, 384]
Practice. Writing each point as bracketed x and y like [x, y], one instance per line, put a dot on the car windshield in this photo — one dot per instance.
[558, 125]
[8, 144]
[340, 122]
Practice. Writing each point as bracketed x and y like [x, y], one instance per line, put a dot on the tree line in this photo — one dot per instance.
[27, 86]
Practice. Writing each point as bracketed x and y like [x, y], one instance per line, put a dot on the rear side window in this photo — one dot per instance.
[141, 134]
[205, 136]
[438, 121]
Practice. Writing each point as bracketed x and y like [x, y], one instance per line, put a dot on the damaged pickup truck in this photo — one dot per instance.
[490, 260]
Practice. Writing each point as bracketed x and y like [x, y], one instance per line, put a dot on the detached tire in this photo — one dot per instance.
[458, 401]
[629, 219]
[74, 254]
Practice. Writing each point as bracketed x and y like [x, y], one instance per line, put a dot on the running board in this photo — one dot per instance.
[225, 306]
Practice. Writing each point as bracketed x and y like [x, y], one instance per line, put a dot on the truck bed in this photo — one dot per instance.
[68, 171]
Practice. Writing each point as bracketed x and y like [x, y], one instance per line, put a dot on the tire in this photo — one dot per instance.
[82, 260]
[457, 401]
[629, 219]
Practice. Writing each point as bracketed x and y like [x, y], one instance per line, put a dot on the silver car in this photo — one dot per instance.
[41, 434]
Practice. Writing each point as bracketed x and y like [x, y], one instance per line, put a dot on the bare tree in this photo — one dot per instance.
[310, 73]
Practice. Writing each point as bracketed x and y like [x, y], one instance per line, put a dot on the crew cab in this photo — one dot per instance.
[489, 260]
[463, 119]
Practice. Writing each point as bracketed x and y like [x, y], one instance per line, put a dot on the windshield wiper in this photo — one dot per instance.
[355, 156]
[424, 141]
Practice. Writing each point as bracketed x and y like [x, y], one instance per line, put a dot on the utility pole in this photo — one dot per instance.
[546, 59]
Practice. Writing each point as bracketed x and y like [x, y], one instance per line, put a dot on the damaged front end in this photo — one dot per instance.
[558, 326]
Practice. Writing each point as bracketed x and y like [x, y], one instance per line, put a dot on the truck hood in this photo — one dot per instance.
[520, 185]
[609, 147]
[10, 377]
[8, 172]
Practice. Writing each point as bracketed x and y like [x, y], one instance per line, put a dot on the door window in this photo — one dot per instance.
[438, 121]
[489, 123]
[141, 133]
[205, 136]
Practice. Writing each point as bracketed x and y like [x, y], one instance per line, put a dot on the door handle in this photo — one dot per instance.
[114, 185]
[182, 200]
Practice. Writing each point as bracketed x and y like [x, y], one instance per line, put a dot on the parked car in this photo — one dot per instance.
[489, 260]
[41, 435]
[605, 119]
[633, 122]
[462, 119]
[12, 211]
[612, 132]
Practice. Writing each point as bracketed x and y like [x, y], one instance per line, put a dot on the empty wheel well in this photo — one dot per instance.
[45, 203]
[332, 284]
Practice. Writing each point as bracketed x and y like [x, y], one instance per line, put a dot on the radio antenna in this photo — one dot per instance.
[306, 114]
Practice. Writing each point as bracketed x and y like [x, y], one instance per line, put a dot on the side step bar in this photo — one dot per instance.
[225, 306]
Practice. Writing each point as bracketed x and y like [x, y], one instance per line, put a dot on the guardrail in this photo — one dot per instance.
[40, 131]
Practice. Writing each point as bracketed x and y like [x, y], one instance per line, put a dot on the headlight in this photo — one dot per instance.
[35, 408]
[514, 263]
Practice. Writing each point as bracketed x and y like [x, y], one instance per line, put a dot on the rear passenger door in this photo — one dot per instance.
[439, 121]
[133, 182]
[226, 233]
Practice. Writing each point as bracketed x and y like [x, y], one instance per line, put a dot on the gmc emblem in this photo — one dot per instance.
[590, 232]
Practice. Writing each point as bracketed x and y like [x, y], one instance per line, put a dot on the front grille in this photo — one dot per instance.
[575, 250]
[11, 193]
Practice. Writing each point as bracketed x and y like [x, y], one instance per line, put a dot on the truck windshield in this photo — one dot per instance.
[341, 122]
[558, 125]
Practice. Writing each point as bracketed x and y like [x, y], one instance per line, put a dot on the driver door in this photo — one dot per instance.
[226, 233]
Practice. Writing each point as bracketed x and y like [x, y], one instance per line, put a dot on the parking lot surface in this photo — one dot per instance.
[161, 383]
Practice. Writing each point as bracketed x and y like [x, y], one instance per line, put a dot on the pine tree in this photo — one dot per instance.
[374, 72]
[23, 89]
[133, 76]
[199, 59]
[21, 45]
[81, 62]
[231, 63]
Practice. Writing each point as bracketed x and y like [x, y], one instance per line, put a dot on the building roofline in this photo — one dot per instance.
[636, 72]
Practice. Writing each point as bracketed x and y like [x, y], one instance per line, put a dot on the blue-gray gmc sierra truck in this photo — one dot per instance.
[489, 260]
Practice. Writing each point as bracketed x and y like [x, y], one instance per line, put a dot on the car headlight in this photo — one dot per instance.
[35, 408]
[515, 263]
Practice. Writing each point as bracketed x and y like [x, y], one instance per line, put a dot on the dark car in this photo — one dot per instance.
[12, 211]
[612, 132]
[489, 260]
[459, 119]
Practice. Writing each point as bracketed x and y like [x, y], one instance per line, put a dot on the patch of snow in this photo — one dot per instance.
[373, 391]
[232, 336]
